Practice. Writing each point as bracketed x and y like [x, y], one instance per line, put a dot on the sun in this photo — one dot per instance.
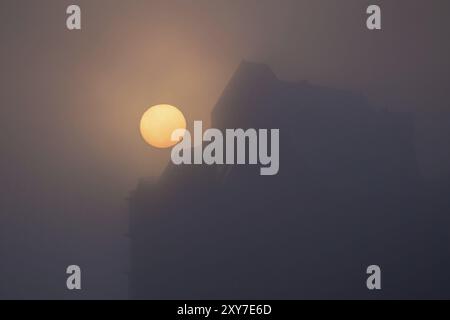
[158, 123]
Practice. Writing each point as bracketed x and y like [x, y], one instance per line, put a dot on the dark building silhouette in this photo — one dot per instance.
[348, 195]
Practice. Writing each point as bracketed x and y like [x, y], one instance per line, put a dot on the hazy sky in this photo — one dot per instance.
[71, 103]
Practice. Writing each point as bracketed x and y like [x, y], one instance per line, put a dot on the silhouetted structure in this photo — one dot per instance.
[348, 195]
